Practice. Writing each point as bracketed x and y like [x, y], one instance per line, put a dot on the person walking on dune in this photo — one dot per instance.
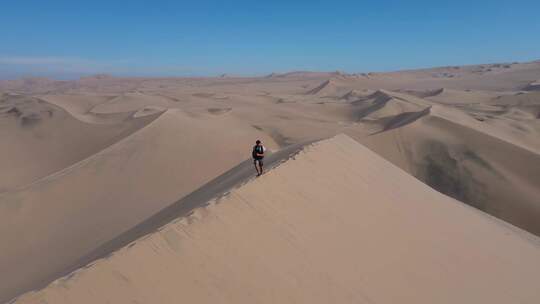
[258, 156]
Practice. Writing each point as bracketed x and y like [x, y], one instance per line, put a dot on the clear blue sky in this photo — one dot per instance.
[72, 38]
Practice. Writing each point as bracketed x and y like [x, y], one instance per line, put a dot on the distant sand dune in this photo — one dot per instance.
[80, 106]
[527, 102]
[327, 88]
[147, 111]
[129, 102]
[353, 95]
[495, 176]
[533, 86]
[389, 110]
[39, 138]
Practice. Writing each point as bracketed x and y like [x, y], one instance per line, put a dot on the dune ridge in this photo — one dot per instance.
[327, 88]
[356, 94]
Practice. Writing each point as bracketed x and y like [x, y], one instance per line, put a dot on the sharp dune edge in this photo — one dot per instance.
[369, 234]
[98, 165]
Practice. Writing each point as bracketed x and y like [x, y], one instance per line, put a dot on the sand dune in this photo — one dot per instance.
[327, 88]
[533, 86]
[526, 102]
[459, 97]
[34, 85]
[369, 234]
[39, 138]
[495, 176]
[488, 163]
[353, 95]
[129, 102]
[94, 200]
[388, 110]
[80, 106]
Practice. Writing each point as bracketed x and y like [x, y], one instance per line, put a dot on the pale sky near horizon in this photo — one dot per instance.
[67, 39]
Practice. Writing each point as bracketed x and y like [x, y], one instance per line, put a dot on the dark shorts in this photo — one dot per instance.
[258, 160]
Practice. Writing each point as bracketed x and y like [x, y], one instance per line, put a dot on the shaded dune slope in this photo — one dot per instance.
[355, 94]
[491, 164]
[338, 224]
[526, 102]
[96, 199]
[533, 86]
[487, 172]
[389, 110]
[329, 87]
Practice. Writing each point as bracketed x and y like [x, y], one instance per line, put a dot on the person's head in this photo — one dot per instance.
[258, 142]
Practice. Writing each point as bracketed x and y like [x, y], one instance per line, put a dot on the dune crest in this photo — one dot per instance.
[353, 95]
[327, 88]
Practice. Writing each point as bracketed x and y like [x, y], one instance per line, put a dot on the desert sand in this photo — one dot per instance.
[434, 186]
[357, 237]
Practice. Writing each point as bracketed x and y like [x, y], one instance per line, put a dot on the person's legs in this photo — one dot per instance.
[255, 161]
[261, 166]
